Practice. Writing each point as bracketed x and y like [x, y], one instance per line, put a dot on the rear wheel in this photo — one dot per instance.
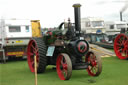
[64, 66]
[95, 65]
[121, 46]
[37, 47]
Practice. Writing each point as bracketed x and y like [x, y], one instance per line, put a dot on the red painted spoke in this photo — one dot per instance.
[59, 71]
[33, 47]
[89, 59]
[118, 44]
[123, 49]
[33, 64]
[92, 70]
[120, 41]
[65, 66]
[95, 63]
[126, 44]
[90, 67]
[94, 57]
[123, 38]
[62, 61]
[32, 59]
[119, 50]
[31, 54]
[36, 52]
[124, 41]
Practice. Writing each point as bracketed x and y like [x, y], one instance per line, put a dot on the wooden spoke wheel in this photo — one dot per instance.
[64, 66]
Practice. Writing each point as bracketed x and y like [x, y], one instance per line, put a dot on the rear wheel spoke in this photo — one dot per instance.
[32, 47]
[118, 44]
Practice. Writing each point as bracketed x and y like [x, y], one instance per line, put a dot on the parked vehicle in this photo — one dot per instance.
[14, 37]
[92, 25]
[99, 39]
[115, 27]
[94, 32]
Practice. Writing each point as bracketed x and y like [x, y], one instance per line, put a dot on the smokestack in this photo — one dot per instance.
[122, 10]
[121, 16]
[77, 17]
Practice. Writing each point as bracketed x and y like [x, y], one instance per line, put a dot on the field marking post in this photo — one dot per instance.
[35, 70]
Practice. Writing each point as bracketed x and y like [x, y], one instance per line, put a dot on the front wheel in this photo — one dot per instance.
[95, 64]
[64, 66]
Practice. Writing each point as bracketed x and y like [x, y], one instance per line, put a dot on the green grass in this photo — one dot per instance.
[114, 72]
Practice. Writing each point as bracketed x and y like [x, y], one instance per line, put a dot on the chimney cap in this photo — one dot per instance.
[77, 5]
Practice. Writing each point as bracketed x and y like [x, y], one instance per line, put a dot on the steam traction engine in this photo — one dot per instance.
[64, 47]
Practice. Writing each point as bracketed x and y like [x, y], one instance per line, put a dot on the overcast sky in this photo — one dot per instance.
[52, 12]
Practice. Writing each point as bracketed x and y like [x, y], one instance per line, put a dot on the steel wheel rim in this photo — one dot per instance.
[121, 46]
[32, 51]
[93, 66]
[61, 67]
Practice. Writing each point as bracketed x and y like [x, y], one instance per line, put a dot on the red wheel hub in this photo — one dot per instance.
[32, 51]
[82, 47]
[121, 46]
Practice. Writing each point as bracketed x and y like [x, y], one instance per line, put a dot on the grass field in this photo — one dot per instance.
[114, 72]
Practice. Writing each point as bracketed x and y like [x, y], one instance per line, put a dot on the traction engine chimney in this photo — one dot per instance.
[77, 18]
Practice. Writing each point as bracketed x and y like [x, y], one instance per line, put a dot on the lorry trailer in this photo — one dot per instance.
[15, 35]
